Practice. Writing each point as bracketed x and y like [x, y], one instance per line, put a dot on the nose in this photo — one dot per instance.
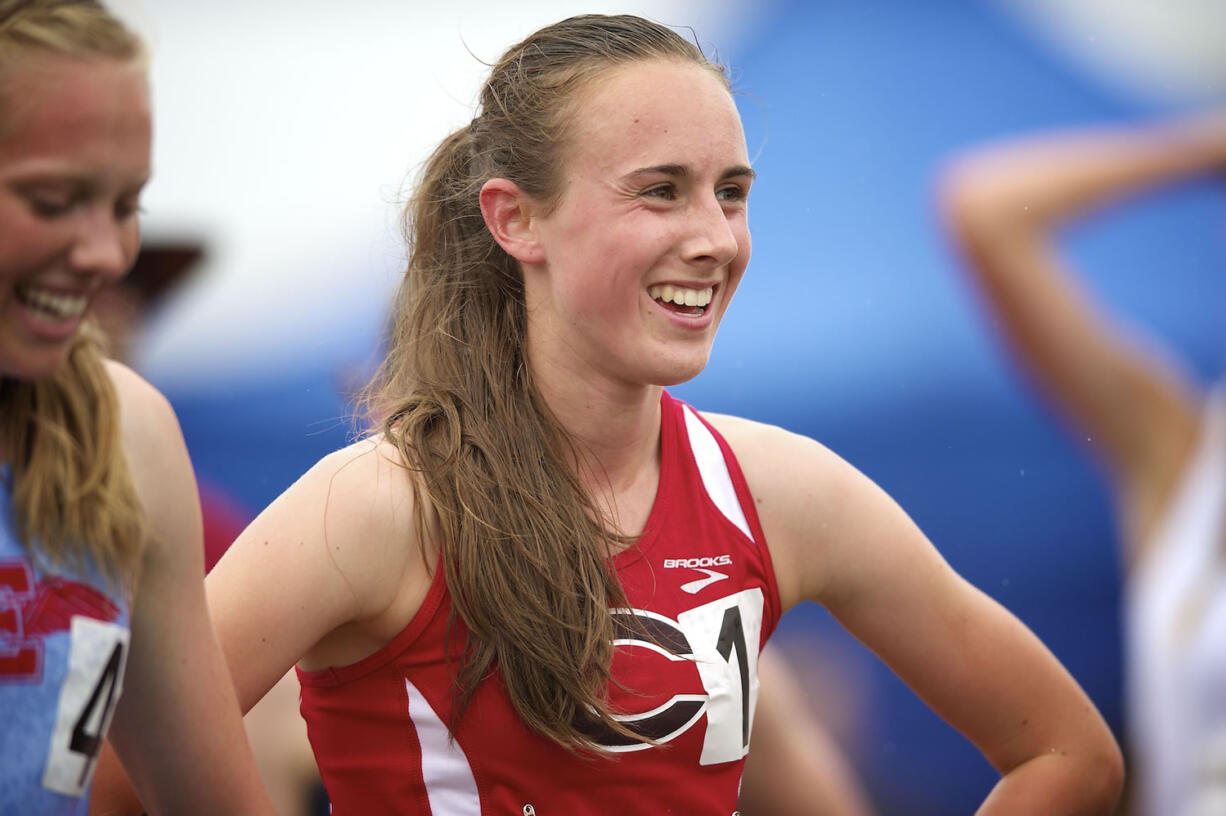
[105, 245]
[712, 240]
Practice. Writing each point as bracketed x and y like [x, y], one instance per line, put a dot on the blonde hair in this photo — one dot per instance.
[73, 28]
[524, 551]
[71, 487]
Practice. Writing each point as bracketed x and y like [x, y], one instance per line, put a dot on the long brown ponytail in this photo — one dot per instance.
[524, 552]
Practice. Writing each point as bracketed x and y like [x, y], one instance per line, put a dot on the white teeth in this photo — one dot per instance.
[62, 306]
[667, 293]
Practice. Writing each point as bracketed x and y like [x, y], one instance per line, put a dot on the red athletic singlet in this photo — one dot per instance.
[700, 578]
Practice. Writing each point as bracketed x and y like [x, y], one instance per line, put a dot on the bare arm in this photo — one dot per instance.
[1003, 206]
[838, 540]
[321, 565]
[177, 728]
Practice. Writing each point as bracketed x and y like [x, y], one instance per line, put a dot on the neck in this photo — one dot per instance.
[618, 436]
[616, 429]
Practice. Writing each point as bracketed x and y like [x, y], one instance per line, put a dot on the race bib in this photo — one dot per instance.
[96, 657]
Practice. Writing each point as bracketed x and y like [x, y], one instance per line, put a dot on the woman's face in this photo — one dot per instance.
[650, 236]
[74, 156]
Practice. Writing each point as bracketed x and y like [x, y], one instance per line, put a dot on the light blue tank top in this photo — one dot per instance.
[63, 646]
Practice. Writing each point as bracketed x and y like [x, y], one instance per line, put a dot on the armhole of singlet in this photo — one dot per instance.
[725, 484]
[336, 675]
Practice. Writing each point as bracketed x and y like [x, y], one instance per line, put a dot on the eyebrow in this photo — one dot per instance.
[52, 179]
[681, 171]
[71, 180]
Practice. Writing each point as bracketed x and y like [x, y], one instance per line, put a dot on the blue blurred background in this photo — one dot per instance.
[854, 325]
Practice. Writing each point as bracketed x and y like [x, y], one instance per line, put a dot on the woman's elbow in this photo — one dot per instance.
[1105, 768]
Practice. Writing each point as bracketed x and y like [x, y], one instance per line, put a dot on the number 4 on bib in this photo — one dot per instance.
[87, 701]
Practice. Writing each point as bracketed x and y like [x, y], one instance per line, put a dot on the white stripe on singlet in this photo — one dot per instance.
[714, 471]
[450, 785]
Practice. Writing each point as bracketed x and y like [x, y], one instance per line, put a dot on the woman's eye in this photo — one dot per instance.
[50, 207]
[662, 191]
[127, 208]
[732, 193]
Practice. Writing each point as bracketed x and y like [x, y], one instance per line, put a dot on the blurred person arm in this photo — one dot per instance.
[279, 744]
[276, 732]
[789, 744]
[177, 728]
[839, 540]
[282, 751]
[1003, 206]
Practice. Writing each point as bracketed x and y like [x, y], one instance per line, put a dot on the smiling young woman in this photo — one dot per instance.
[653, 194]
[100, 553]
[542, 585]
[75, 157]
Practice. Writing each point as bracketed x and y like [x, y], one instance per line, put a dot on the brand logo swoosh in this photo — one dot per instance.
[694, 587]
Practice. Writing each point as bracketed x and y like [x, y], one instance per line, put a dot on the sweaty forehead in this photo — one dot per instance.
[77, 111]
[657, 111]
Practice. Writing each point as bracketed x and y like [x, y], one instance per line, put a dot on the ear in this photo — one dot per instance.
[509, 216]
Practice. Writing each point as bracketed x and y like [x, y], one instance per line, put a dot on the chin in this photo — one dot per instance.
[680, 371]
[33, 368]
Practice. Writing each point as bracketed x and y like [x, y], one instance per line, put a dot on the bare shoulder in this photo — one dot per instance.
[809, 500]
[355, 505]
[361, 490]
[776, 461]
[147, 421]
[752, 440]
[326, 574]
[157, 460]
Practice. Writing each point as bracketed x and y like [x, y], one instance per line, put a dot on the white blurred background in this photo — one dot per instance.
[288, 129]
[286, 133]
